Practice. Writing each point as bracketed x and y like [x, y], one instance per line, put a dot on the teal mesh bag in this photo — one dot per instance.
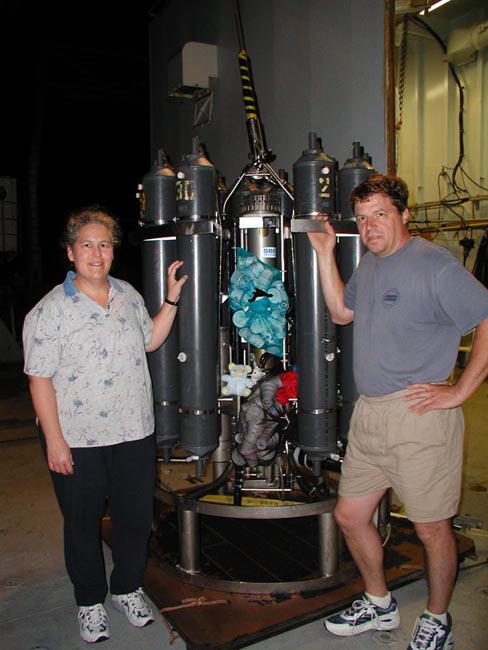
[259, 303]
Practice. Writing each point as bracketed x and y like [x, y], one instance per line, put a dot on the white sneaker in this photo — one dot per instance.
[430, 634]
[363, 616]
[134, 607]
[93, 622]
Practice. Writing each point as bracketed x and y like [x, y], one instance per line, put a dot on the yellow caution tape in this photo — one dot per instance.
[248, 501]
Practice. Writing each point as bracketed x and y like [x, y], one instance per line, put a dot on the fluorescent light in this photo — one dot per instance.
[436, 5]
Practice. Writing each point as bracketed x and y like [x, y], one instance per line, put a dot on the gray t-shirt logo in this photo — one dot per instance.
[391, 298]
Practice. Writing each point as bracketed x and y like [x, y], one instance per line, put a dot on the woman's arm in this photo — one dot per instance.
[59, 458]
[164, 319]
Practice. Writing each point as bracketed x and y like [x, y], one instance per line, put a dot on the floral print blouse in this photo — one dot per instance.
[96, 360]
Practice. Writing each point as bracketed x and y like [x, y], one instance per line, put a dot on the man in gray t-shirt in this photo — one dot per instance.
[410, 301]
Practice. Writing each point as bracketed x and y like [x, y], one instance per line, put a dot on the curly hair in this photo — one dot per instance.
[91, 214]
[391, 186]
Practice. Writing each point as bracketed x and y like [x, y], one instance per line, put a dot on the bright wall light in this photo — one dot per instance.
[436, 5]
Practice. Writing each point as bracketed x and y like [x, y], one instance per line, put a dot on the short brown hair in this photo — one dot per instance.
[392, 186]
[91, 214]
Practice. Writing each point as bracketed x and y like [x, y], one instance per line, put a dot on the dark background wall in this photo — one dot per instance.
[86, 106]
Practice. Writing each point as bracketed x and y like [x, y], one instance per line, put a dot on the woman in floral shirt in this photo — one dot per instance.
[85, 347]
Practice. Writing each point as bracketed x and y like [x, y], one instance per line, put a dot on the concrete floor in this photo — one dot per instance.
[37, 610]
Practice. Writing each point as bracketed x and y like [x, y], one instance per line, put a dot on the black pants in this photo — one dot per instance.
[124, 475]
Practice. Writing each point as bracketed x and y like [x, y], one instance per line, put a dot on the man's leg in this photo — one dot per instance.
[433, 629]
[376, 610]
[440, 562]
[354, 516]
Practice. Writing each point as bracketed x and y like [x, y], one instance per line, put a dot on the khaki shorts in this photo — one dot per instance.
[419, 456]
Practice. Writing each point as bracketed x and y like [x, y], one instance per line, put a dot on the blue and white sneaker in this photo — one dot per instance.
[430, 634]
[134, 606]
[93, 622]
[362, 616]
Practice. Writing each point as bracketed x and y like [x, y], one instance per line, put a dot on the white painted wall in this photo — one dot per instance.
[428, 141]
